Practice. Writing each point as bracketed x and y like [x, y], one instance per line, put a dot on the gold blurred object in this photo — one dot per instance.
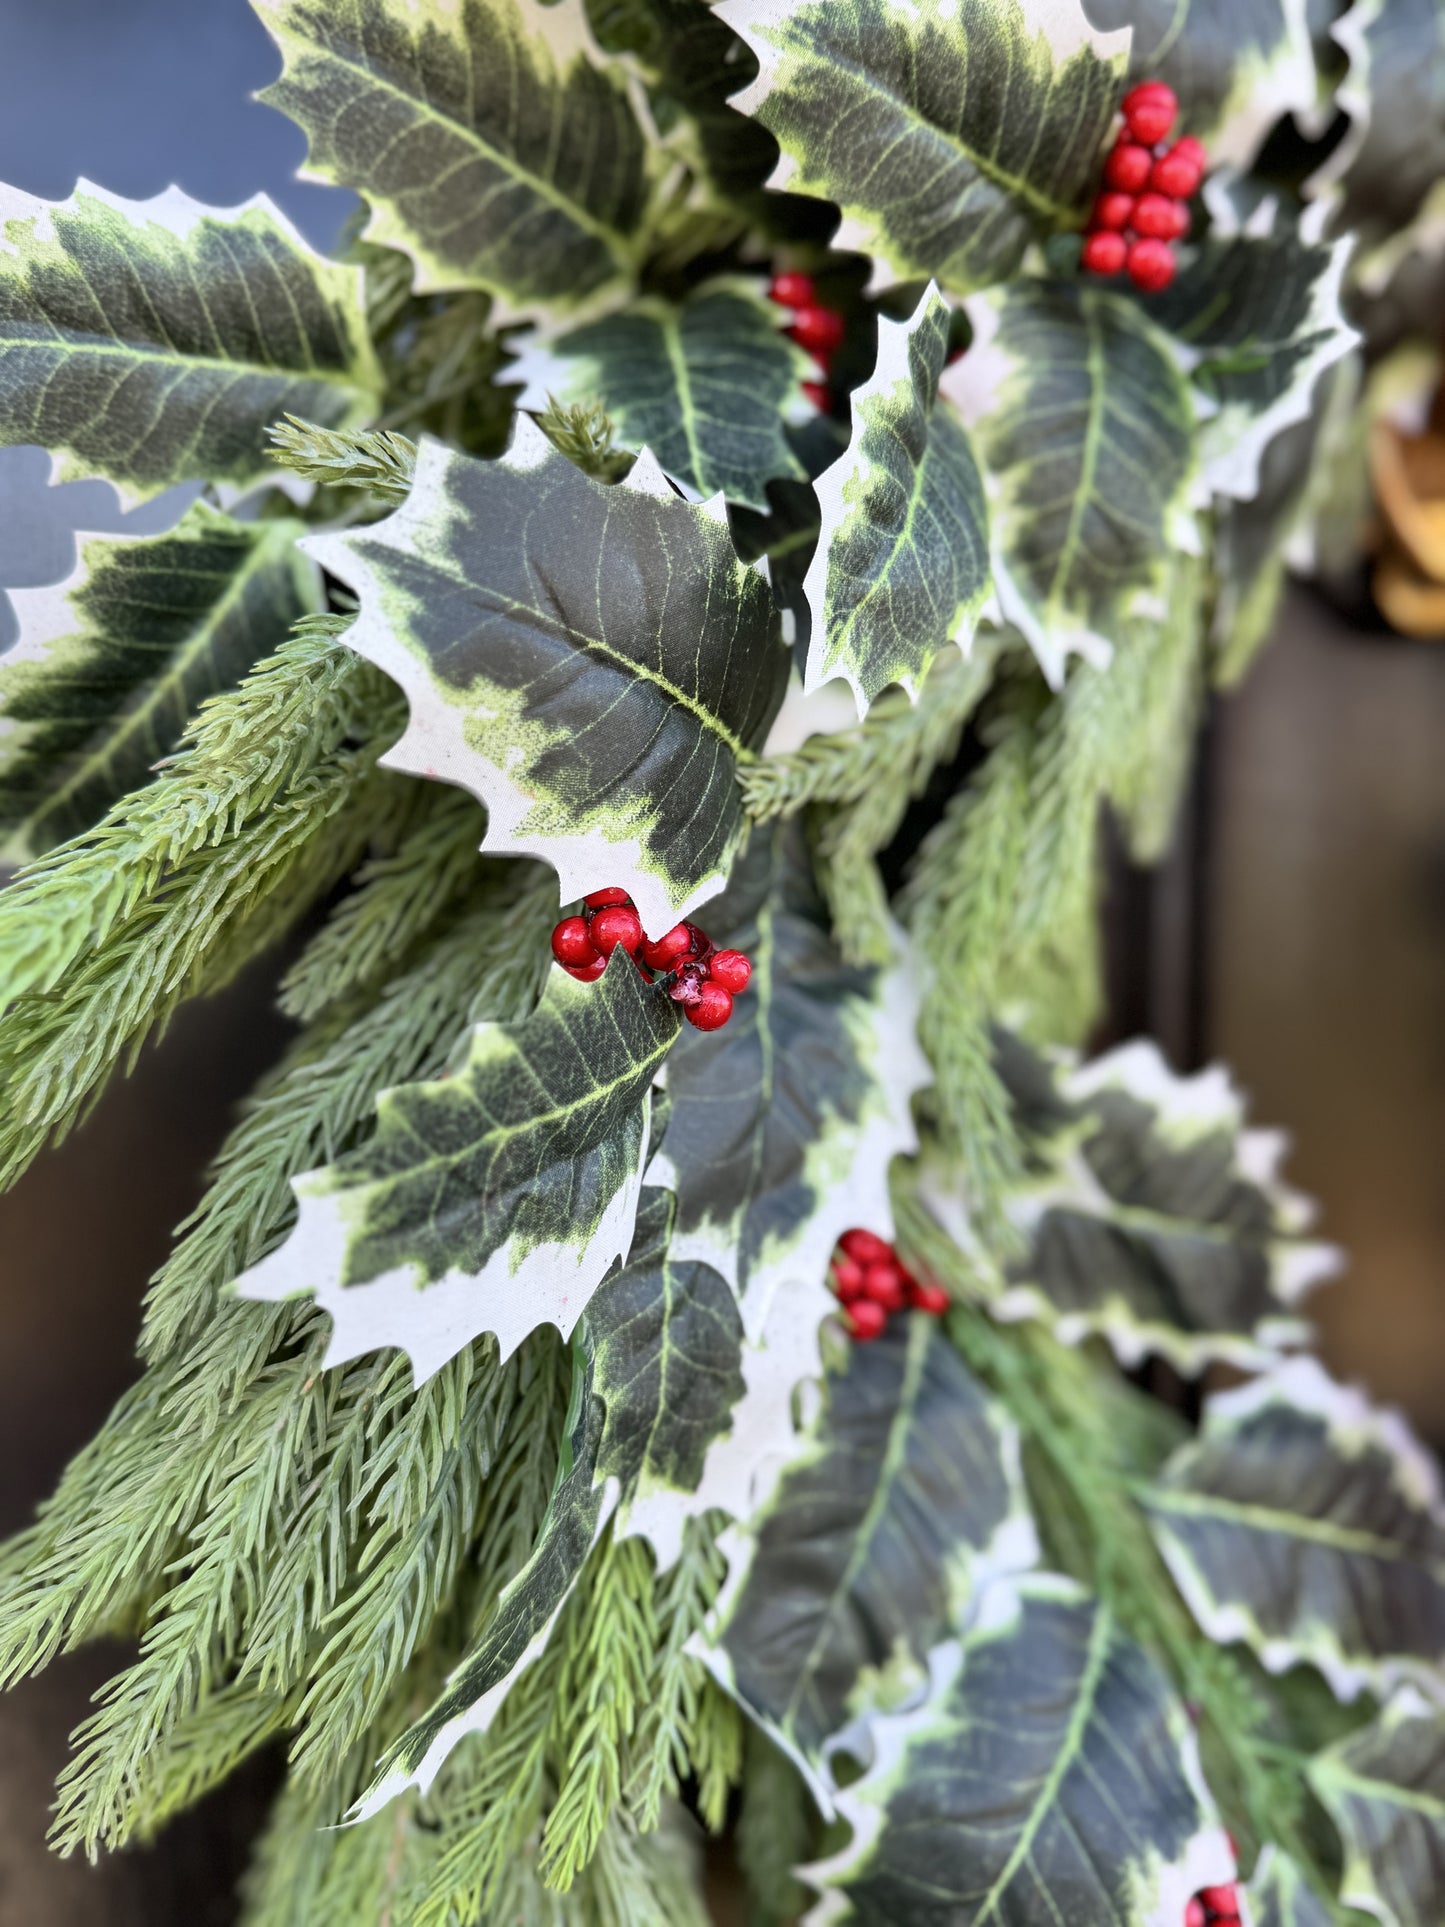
[1409, 478]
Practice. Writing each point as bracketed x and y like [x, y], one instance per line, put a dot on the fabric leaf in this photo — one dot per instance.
[871, 1548]
[901, 568]
[153, 341]
[1049, 1776]
[951, 137]
[111, 662]
[1280, 1896]
[1151, 1216]
[1384, 1788]
[1309, 1524]
[495, 1198]
[1379, 176]
[1084, 426]
[589, 661]
[489, 142]
[703, 385]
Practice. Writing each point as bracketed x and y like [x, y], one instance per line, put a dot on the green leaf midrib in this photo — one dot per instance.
[235, 370]
[1291, 1525]
[1088, 463]
[1335, 1773]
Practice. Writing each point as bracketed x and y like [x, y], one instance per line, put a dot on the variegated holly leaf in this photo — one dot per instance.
[779, 1137]
[1151, 1216]
[590, 662]
[494, 1199]
[1236, 69]
[1384, 1788]
[1050, 1776]
[1309, 1524]
[1259, 322]
[950, 136]
[489, 140]
[111, 662]
[1280, 1896]
[240, 323]
[901, 567]
[873, 1545]
[1393, 154]
[702, 384]
[1085, 428]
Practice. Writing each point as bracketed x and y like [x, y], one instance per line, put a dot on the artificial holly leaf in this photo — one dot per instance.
[1235, 69]
[589, 661]
[111, 662]
[1085, 429]
[1280, 1896]
[152, 341]
[901, 567]
[490, 143]
[1309, 1524]
[1384, 1788]
[1258, 319]
[494, 1199]
[950, 136]
[702, 384]
[1151, 1216]
[1049, 1777]
[874, 1542]
[779, 1137]
[1393, 154]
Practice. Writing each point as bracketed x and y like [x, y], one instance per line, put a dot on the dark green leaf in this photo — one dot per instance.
[111, 662]
[1280, 1896]
[1379, 176]
[152, 341]
[589, 661]
[1384, 1787]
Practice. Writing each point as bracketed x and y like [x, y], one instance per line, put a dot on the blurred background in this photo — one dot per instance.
[1297, 931]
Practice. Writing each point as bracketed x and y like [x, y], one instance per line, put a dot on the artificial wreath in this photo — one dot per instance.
[665, 1349]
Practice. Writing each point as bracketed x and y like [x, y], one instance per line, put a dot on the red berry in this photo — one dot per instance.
[618, 924]
[572, 942]
[1194, 1914]
[701, 941]
[1158, 215]
[930, 1298]
[819, 396]
[731, 969]
[1175, 174]
[687, 985]
[1220, 1900]
[712, 1009]
[883, 1283]
[790, 289]
[1113, 210]
[819, 330]
[865, 1247]
[1149, 110]
[1151, 265]
[1128, 166]
[587, 973]
[848, 1279]
[865, 1320]
[604, 899]
[1104, 253]
[669, 950]
[1190, 149]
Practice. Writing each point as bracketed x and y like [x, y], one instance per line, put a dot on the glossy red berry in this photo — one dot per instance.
[1220, 1900]
[1128, 166]
[1158, 215]
[1175, 174]
[819, 330]
[1104, 253]
[604, 899]
[883, 1283]
[731, 969]
[1113, 210]
[587, 973]
[572, 943]
[930, 1298]
[1149, 110]
[669, 950]
[702, 944]
[865, 1246]
[865, 1320]
[1194, 1914]
[712, 1009]
[819, 396]
[848, 1277]
[790, 289]
[618, 924]
[1151, 265]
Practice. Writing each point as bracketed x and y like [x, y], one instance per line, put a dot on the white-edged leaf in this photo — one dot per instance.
[1309, 1524]
[590, 662]
[153, 341]
[1384, 1788]
[1280, 1896]
[901, 568]
[1393, 153]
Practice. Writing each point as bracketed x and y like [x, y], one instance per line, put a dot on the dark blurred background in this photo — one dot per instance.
[1298, 931]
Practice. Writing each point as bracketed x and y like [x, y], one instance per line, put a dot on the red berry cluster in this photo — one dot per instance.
[694, 973]
[1213, 1907]
[871, 1282]
[1141, 207]
[816, 329]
